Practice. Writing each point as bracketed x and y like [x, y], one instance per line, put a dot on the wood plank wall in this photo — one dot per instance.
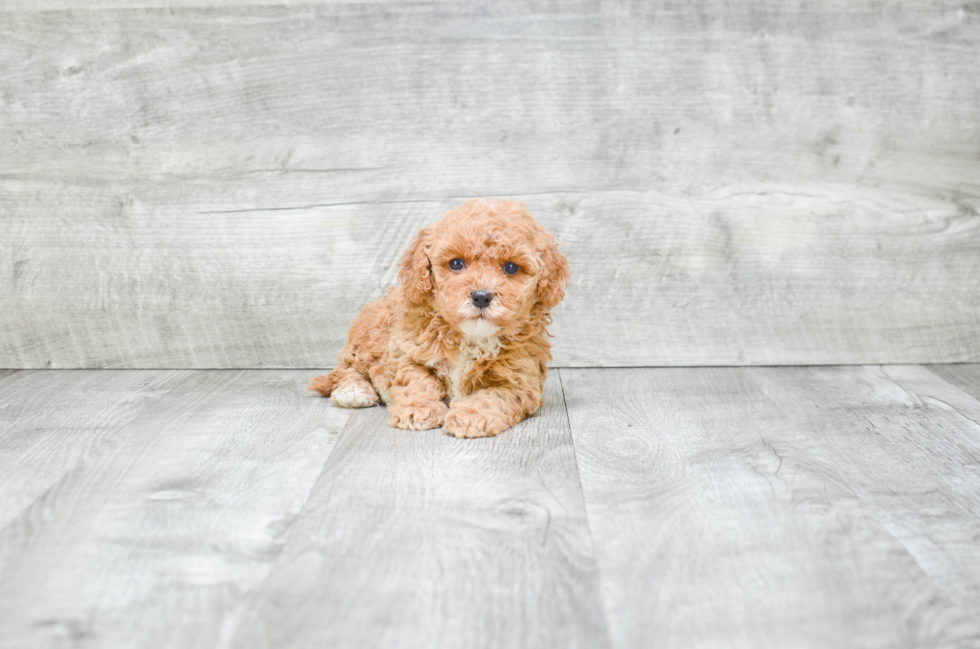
[734, 183]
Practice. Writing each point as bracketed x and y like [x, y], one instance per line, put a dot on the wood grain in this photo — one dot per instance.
[719, 520]
[51, 421]
[740, 507]
[157, 540]
[225, 186]
[966, 377]
[429, 98]
[770, 275]
[909, 445]
[423, 540]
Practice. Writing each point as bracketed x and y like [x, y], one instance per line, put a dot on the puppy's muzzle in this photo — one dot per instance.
[481, 299]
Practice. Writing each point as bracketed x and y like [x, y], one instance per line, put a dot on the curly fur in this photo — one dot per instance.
[430, 354]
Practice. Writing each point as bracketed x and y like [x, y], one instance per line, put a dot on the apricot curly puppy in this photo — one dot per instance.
[462, 342]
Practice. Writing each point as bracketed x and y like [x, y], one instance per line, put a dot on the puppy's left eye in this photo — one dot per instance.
[457, 264]
[510, 268]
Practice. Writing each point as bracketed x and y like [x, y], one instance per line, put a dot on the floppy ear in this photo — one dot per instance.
[554, 275]
[415, 273]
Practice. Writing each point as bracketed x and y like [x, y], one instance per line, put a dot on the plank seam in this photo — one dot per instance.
[918, 396]
[412, 201]
[229, 636]
[111, 438]
[160, 368]
[866, 496]
[585, 511]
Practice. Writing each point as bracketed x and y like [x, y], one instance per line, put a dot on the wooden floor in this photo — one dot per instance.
[701, 507]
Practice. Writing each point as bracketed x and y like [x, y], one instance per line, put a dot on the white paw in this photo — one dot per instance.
[354, 395]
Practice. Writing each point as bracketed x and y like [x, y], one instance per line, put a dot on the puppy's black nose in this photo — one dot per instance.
[481, 299]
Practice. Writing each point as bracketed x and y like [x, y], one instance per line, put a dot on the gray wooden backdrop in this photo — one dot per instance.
[225, 184]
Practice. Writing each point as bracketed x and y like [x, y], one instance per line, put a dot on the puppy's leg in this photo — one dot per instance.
[346, 387]
[380, 382]
[325, 383]
[489, 412]
[416, 399]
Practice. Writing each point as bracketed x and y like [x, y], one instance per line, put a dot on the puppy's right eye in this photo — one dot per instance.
[457, 264]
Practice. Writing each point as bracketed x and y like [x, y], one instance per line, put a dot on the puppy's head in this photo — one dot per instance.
[487, 268]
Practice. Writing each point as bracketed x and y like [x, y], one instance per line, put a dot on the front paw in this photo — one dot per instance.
[466, 421]
[431, 415]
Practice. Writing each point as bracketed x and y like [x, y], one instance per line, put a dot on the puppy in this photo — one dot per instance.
[462, 343]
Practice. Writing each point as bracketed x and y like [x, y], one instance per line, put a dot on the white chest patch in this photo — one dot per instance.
[470, 351]
[478, 328]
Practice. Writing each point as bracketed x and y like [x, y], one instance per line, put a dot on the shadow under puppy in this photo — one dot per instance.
[462, 342]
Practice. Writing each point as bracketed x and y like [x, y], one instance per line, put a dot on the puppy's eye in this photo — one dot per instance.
[510, 268]
[457, 264]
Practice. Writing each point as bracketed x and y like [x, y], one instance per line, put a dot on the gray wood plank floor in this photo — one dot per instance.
[677, 507]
